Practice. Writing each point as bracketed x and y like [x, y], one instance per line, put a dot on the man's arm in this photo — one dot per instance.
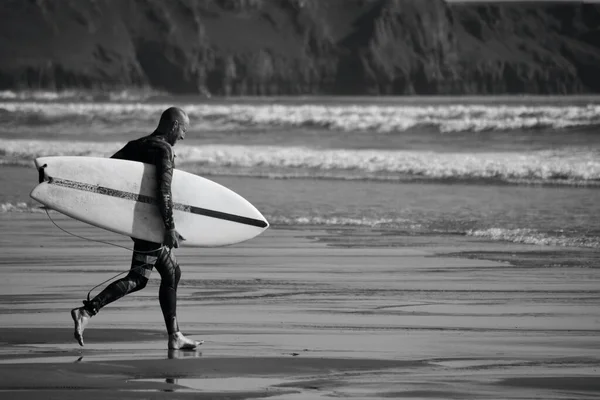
[164, 177]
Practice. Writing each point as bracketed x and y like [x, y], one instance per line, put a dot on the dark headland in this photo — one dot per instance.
[289, 47]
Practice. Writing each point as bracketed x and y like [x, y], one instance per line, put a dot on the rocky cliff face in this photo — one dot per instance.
[257, 47]
[535, 48]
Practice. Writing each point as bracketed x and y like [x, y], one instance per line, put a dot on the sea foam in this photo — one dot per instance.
[532, 236]
[20, 207]
[446, 118]
[573, 166]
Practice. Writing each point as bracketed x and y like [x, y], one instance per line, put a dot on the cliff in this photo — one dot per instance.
[258, 47]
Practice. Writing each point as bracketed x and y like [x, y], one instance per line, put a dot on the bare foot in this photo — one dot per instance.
[81, 319]
[179, 342]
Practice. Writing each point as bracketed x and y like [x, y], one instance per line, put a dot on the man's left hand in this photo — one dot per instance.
[172, 238]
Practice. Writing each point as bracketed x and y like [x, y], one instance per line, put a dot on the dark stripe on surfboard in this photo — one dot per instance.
[86, 187]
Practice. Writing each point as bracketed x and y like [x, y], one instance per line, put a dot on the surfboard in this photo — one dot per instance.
[120, 196]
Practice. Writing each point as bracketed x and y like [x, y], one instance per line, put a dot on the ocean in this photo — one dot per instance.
[513, 169]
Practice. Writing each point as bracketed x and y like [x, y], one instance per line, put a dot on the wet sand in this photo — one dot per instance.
[302, 314]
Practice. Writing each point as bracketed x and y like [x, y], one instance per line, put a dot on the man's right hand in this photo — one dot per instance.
[172, 238]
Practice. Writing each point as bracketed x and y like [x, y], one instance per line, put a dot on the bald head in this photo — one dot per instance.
[173, 124]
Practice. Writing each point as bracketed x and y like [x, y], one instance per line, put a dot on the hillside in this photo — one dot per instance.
[259, 47]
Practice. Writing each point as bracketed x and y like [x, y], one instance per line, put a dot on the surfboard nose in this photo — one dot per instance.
[257, 215]
[267, 225]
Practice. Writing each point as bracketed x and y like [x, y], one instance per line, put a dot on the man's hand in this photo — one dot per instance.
[172, 238]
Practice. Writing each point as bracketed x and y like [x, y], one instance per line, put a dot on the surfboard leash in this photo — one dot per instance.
[108, 243]
[97, 240]
[85, 302]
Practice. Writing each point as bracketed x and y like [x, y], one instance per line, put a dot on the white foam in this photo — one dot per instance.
[347, 117]
[27, 150]
[7, 95]
[83, 108]
[84, 95]
[19, 207]
[338, 221]
[565, 166]
[532, 236]
[545, 166]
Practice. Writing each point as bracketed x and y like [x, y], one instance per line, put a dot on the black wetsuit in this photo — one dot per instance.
[155, 150]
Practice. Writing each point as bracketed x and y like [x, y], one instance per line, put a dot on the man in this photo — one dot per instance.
[155, 149]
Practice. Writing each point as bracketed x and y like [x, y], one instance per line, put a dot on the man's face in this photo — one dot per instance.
[181, 130]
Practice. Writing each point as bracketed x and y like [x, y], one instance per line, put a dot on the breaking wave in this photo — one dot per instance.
[20, 207]
[532, 236]
[573, 166]
[80, 95]
[317, 220]
[212, 116]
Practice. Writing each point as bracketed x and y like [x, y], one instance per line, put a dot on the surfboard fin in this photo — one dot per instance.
[42, 177]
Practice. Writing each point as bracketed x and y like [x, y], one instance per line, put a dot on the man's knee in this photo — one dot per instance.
[168, 268]
[141, 282]
[134, 282]
[170, 275]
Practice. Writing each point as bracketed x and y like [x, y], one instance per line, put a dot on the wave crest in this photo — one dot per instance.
[20, 207]
[445, 118]
[139, 94]
[316, 220]
[574, 166]
[532, 236]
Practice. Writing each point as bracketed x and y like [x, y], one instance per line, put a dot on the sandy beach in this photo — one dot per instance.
[303, 314]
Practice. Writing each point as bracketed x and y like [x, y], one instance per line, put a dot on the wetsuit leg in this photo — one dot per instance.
[137, 278]
[170, 273]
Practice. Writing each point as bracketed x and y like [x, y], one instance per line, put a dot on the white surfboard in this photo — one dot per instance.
[120, 196]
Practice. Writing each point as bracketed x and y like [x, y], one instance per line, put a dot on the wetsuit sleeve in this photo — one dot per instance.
[164, 176]
[121, 154]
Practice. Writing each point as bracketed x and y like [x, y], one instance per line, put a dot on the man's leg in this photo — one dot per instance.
[141, 267]
[170, 273]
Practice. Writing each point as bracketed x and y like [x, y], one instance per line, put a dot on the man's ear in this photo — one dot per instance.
[175, 126]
